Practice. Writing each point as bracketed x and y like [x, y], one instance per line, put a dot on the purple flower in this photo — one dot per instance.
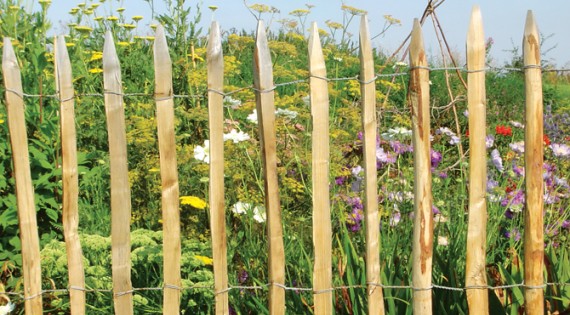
[518, 147]
[354, 219]
[442, 175]
[340, 180]
[560, 150]
[514, 234]
[514, 200]
[436, 158]
[435, 210]
[566, 224]
[489, 141]
[491, 185]
[400, 148]
[242, 276]
[383, 157]
[519, 170]
[497, 161]
[395, 218]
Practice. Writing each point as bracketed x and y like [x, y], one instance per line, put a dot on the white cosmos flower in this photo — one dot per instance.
[259, 214]
[202, 153]
[253, 117]
[236, 136]
[6, 309]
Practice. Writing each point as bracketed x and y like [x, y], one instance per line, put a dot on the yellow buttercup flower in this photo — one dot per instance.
[137, 18]
[95, 70]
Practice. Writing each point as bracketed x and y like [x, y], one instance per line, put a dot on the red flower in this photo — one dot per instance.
[503, 130]
[467, 133]
[546, 140]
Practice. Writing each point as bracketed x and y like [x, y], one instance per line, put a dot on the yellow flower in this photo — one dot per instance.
[149, 38]
[69, 44]
[81, 5]
[95, 5]
[74, 11]
[14, 8]
[96, 55]
[98, 18]
[83, 28]
[213, 7]
[112, 18]
[205, 260]
[120, 10]
[95, 70]
[137, 18]
[123, 44]
[154, 170]
[129, 26]
[193, 201]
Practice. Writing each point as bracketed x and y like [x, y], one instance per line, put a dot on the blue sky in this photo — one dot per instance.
[503, 20]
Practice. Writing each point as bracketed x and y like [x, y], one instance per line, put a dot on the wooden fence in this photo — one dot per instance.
[418, 99]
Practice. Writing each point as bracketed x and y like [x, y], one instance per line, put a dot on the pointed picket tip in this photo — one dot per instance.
[364, 31]
[314, 40]
[263, 67]
[417, 51]
[61, 55]
[531, 41]
[8, 55]
[475, 37]
[160, 44]
[215, 42]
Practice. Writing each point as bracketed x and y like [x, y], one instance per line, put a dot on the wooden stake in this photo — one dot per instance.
[418, 97]
[533, 160]
[369, 135]
[23, 178]
[163, 95]
[120, 188]
[217, 202]
[476, 275]
[64, 86]
[322, 227]
[265, 99]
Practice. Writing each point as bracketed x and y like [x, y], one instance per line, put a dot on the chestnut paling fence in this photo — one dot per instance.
[418, 98]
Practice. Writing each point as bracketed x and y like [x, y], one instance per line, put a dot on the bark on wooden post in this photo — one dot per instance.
[422, 251]
[23, 178]
[265, 99]
[64, 86]
[322, 227]
[217, 203]
[533, 160]
[369, 135]
[163, 95]
[120, 188]
[476, 275]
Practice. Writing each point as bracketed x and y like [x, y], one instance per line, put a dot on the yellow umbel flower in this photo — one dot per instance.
[193, 201]
[205, 260]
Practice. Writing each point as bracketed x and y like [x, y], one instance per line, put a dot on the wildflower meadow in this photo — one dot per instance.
[246, 219]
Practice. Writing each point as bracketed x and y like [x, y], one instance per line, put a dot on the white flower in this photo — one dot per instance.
[442, 241]
[560, 150]
[203, 153]
[232, 102]
[286, 113]
[253, 117]
[399, 64]
[6, 309]
[393, 133]
[241, 207]
[259, 214]
[236, 136]
[438, 218]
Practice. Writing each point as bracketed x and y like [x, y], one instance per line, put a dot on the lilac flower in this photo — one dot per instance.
[454, 140]
[436, 158]
[400, 148]
[395, 218]
[514, 200]
[497, 161]
[566, 224]
[383, 157]
[396, 196]
[489, 141]
[466, 113]
[354, 219]
[340, 180]
[560, 150]
[435, 210]
[519, 170]
[442, 175]
[516, 124]
[518, 147]
[491, 184]
[514, 234]
[357, 171]
[242, 276]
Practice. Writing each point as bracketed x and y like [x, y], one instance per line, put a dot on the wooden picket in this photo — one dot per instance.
[322, 227]
[120, 188]
[422, 248]
[164, 98]
[533, 161]
[476, 274]
[70, 177]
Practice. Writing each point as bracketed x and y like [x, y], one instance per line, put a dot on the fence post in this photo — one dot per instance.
[422, 250]
[322, 226]
[120, 188]
[265, 99]
[475, 274]
[533, 160]
[24, 190]
[163, 95]
[217, 202]
[64, 87]
[369, 137]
